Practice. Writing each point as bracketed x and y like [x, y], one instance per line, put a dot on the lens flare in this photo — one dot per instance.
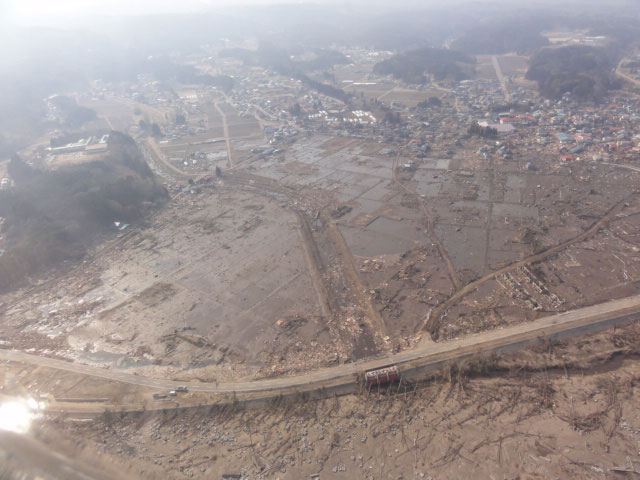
[17, 415]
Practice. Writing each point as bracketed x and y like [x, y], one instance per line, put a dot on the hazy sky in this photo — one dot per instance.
[66, 12]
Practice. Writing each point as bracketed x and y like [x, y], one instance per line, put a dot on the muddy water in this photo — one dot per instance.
[117, 360]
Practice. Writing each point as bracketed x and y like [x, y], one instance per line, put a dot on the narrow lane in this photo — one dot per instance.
[227, 138]
[431, 233]
[503, 83]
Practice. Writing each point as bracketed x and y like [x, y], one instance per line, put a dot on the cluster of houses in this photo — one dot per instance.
[564, 129]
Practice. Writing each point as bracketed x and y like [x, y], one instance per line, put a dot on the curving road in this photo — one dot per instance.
[420, 360]
[426, 357]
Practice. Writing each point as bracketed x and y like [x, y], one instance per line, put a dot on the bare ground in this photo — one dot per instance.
[559, 410]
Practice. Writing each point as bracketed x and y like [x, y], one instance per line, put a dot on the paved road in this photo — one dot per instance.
[423, 357]
[496, 67]
[227, 137]
[155, 150]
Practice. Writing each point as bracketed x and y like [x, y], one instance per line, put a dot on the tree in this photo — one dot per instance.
[485, 132]
[79, 115]
[54, 215]
[19, 170]
[430, 102]
[295, 110]
[391, 117]
[412, 66]
[583, 71]
[155, 130]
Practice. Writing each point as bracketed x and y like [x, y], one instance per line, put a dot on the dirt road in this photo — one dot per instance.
[432, 322]
[430, 223]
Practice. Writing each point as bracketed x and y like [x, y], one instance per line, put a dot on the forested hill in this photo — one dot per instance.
[585, 72]
[413, 66]
[52, 216]
[276, 58]
[521, 36]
